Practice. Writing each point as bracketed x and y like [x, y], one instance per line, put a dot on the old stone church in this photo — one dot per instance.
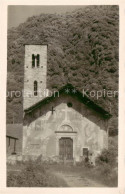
[64, 126]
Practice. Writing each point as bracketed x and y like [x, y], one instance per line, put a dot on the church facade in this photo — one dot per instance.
[65, 126]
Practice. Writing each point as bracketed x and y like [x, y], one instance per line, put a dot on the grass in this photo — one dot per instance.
[43, 174]
[100, 174]
[32, 174]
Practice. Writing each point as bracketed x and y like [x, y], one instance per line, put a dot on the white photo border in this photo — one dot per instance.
[3, 76]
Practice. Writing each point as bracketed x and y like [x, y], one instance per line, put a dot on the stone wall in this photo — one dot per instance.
[34, 74]
[42, 129]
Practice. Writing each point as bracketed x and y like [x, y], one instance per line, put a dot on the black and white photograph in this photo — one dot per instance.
[62, 91]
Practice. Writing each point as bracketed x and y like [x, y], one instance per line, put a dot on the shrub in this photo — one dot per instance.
[106, 163]
[104, 157]
[109, 155]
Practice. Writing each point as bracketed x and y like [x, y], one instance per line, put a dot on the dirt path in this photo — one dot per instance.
[76, 180]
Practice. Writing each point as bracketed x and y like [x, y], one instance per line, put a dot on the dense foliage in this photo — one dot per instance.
[82, 50]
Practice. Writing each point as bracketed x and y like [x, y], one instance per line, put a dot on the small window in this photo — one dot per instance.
[69, 104]
[35, 88]
[85, 152]
[35, 60]
[38, 60]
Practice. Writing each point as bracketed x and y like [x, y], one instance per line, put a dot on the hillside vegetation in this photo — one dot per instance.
[82, 50]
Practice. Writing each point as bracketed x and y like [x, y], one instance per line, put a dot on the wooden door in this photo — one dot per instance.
[66, 148]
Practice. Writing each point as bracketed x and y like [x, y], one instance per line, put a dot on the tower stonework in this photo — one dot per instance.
[35, 71]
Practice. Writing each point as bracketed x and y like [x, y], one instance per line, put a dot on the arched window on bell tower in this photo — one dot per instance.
[35, 60]
[38, 60]
[35, 88]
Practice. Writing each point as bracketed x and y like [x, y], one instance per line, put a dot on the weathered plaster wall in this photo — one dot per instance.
[42, 129]
[34, 74]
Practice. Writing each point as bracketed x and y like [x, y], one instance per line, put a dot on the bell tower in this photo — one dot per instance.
[35, 72]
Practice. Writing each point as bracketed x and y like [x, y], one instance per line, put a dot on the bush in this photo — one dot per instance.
[105, 157]
[109, 155]
[106, 163]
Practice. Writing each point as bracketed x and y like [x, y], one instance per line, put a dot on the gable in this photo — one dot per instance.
[78, 96]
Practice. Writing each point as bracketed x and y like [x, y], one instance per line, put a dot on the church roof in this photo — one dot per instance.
[83, 99]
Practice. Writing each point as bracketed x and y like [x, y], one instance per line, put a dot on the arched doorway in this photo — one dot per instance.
[66, 148]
